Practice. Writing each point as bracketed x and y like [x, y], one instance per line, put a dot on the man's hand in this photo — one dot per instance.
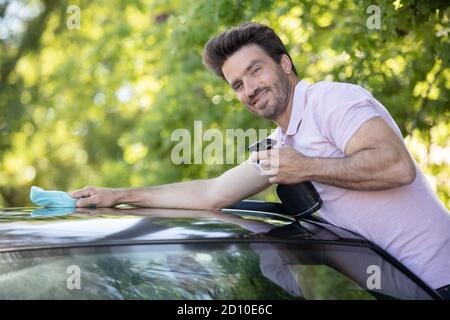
[284, 165]
[93, 196]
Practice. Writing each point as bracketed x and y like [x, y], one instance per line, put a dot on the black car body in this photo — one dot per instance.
[252, 250]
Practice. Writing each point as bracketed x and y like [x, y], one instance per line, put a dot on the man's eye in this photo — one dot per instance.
[237, 87]
[256, 71]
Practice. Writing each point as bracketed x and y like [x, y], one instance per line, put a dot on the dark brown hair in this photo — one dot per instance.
[218, 49]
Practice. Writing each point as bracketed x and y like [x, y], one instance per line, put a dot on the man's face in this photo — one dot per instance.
[258, 81]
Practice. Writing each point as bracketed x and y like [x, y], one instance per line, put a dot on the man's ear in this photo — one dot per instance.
[286, 64]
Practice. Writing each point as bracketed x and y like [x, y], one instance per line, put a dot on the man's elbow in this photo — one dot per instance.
[216, 205]
[407, 172]
[216, 199]
[211, 203]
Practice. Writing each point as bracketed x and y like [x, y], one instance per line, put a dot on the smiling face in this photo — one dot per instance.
[260, 83]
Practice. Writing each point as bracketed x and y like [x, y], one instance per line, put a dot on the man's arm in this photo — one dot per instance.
[234, 185]
[376, 159]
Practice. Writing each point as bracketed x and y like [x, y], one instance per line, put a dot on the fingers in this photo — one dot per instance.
[81, 193]
[269, 167]
[265, 164]
[270, 172]
[88, 202]
[274, 180]
[261, 155]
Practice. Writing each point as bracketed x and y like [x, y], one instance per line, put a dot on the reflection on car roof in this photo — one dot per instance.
[22, 228]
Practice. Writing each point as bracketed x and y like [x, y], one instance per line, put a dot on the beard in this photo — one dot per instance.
[280, 91]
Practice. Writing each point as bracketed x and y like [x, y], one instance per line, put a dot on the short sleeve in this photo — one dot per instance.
[340, 110]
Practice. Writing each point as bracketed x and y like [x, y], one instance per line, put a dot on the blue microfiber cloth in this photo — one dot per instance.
[49, 212]
[51, 199]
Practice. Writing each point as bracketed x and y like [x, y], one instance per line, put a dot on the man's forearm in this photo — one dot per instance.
[232, 186]
[184, 195]
[365, 170]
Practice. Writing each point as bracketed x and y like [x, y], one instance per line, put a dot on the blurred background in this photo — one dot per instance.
[91, 91]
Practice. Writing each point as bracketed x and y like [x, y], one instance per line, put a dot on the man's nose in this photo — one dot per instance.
[250, 89]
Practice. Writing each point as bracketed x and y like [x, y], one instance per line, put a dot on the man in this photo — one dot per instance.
[334, 134]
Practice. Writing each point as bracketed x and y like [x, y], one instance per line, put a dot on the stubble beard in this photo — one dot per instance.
[281, 96]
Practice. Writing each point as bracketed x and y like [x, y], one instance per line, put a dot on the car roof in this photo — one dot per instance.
[31, 228]
[38, 228]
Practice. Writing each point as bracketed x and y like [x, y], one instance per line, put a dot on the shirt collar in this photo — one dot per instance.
[298, 107]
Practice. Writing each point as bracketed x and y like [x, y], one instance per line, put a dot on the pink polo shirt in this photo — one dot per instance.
[408, 222]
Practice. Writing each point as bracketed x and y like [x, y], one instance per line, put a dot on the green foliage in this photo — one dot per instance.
[97, 105]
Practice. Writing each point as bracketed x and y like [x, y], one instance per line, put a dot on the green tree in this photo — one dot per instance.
[97, 105]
